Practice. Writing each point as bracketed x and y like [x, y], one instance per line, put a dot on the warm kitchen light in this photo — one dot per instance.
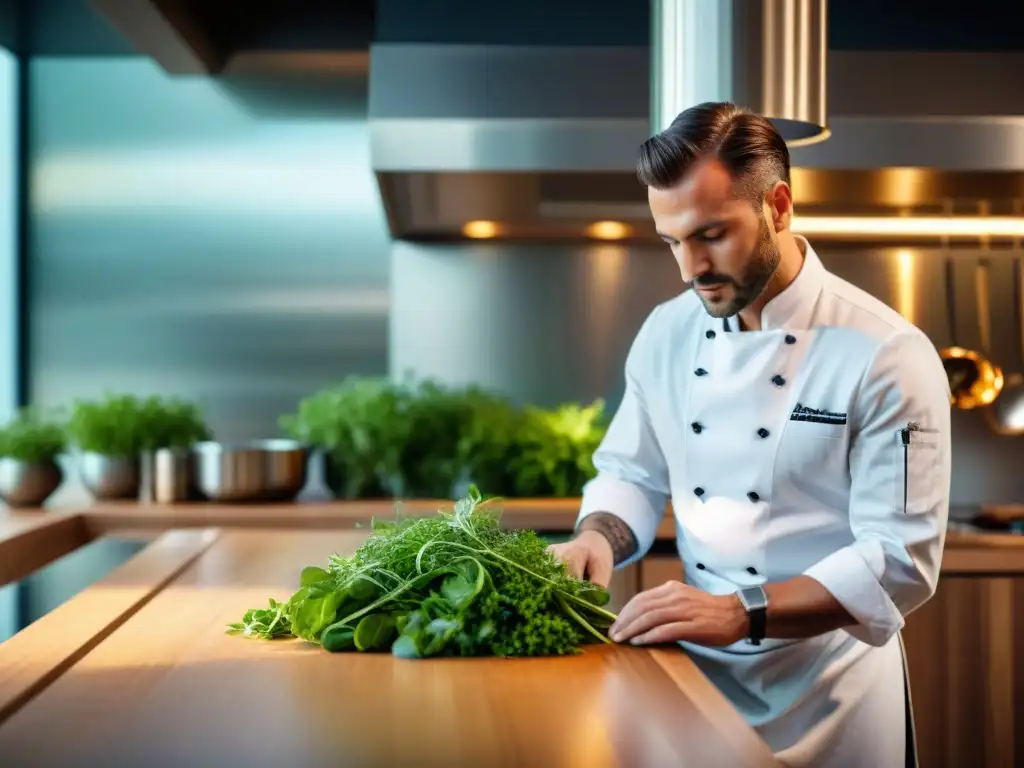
[480, 229]
[906, 287]
[608, 230]
[910, 226]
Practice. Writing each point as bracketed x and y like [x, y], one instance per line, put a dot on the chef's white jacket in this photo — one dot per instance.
[819, 445]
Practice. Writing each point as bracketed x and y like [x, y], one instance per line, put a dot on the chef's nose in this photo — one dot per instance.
[693, 261]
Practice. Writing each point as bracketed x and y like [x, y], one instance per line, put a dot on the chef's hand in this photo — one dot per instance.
[676, 611]
[588, 556]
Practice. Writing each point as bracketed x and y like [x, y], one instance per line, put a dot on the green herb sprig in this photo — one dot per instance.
[33, 436]
[556, 449]
[124, 425]
[419, 439]
[454, 584]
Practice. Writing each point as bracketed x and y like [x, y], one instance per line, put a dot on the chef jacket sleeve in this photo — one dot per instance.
[899, 497]
[632, 477]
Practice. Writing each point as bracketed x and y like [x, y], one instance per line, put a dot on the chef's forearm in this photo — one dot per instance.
[616, 530]
[801, 607]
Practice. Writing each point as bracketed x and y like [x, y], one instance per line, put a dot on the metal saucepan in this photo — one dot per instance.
[263, 470]
[973, 380]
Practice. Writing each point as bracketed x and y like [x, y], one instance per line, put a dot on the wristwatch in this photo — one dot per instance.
[755, 602]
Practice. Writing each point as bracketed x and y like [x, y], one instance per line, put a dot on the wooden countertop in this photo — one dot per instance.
[31, 539]
[168, 687]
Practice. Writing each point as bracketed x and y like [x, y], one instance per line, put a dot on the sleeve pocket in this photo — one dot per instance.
[917, 461]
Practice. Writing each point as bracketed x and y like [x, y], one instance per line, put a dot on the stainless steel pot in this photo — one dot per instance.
[264, 470]
[28, 484]
[111, 477]
[174, 476]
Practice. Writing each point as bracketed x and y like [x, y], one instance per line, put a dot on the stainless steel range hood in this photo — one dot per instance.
[769, 57]
[541, 141]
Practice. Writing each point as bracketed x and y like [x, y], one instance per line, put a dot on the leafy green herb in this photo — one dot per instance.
[32, 436]
[264, 622]
[556, 450]
[454, 584]
[168, 422]
[397, 439]
[124, 425]
[357, 424]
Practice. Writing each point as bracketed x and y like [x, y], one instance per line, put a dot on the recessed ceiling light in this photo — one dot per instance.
[480, 229]
[609, 230]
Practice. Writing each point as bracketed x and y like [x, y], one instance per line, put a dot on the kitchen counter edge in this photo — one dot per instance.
[967, 550]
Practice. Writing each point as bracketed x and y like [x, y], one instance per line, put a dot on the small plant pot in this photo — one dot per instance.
[334, 475]
[335, 480]
[28, 484]
[110, 478]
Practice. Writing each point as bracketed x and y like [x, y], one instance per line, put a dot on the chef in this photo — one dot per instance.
[801, 429]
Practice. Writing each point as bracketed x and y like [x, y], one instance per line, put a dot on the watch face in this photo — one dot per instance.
[753, 598]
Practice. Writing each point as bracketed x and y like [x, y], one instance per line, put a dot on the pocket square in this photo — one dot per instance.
[803, 413]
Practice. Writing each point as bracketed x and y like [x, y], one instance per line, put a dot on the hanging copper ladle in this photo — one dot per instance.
[974, 381]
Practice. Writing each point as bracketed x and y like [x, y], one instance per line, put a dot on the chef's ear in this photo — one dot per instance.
[780, 203]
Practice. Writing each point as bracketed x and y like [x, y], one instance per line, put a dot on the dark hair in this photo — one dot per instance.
[748, 145]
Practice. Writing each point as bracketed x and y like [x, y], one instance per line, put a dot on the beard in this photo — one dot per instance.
[760, 268]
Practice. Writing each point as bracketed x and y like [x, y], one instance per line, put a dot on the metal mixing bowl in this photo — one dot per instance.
[262, 470]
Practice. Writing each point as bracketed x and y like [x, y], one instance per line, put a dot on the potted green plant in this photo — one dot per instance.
[171, 428]
[169, 423]
[489, 444]
[356, 425]
[110, 433]
[383, 438]
[114, 433]
[29, 446]
[555, 449]
[432, 426]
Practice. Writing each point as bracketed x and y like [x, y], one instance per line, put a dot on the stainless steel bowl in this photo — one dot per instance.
[111, 477]
[28, 484]
[263, 470]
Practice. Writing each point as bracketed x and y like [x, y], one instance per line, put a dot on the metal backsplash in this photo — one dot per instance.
[181, 244]
[548, 324]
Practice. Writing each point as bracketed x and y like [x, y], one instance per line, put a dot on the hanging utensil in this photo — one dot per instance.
[973, 380]
[1006, 416]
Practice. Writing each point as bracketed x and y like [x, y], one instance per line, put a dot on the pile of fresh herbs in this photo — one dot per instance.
[452, 584]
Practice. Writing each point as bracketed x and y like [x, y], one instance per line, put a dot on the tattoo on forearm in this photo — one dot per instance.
[615, 529]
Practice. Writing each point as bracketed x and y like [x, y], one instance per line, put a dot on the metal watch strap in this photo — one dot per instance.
[755, 602]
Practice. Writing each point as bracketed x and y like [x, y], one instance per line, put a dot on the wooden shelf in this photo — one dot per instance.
[29, 540]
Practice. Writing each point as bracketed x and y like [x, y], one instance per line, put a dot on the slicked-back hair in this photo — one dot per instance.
[747, 145]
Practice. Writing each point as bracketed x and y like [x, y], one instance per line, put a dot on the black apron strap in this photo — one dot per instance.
[908, 709]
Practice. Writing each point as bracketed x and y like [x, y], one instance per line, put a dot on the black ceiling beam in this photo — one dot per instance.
[167, 32]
